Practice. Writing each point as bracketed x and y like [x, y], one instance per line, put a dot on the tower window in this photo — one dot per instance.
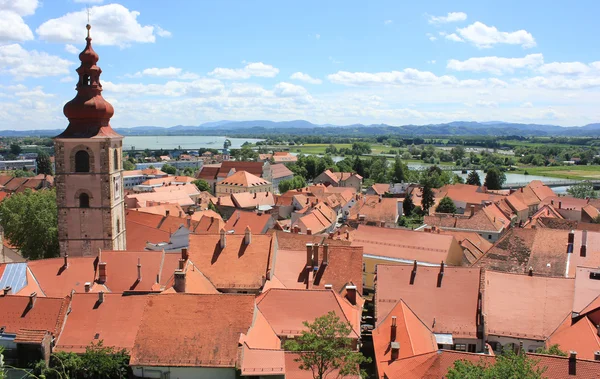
[82, 161]
[84, 200]
[86, 80]
[116, 159]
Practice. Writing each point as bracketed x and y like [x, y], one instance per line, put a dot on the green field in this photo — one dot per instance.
[565, 172]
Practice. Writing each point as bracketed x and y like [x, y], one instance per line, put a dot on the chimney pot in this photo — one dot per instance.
[102, 274]
[326, 254]
[328, 286]
[308, 231]
[530, 272]
[395, 346]
[247, 236]
[101, 297]
[413, 273]
[223, 241]
[560, 205]
[182, 264]
[139, 270]
[184, 254]
[309, 254]
[351, 294]
[597, 355]
[167, 213]
[179, 285]
[32, 299]
[7, 290]
[87, 286]
[66, 265]
[440, 275]
[393, 330]
[572, 363]
[315, 263]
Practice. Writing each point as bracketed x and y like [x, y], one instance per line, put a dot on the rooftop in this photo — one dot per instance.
[244, 179]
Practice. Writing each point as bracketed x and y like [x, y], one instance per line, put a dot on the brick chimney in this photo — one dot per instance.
[395, 347]
[179, 284]
[393, 330]
[102, 272]
[184, 254]
[351, 294]
[139, 270]
[32, 299]
[167, 213]
[560, 205]
[247, 236]
[223, 241]
[308, 231]
[325, 254]
[328, 286]
[309, 277]
[309, 253]
[87, 286]
[182, 264]
[583, 249]
[100, 297]
[597, 355]
[530, 271]
[413, 273]
[7, 290]
[440, 275]
[572, 363]
[315, 255]
[66, 264]
[472, 211]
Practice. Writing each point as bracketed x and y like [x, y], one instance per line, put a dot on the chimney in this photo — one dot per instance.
[309, 253]
[100, 297]
[571, 236]
[351, 294]
[102, 272]
[326, 254]
[66, 265]
[179, 285]
[309, 277]
[181, 264]
[380, 198]
[184, 254]
[328, 286]
[393, 331]
[315, 256]
[551, 202]
[395, 346]
[87, 286]
[247, 236]
[413, 273]
[440, 275]
[560, 205]
[530, 272]
[308, 231]
[32, 299]
[583, 249]
[223, 240]
[139, 268]
[572, 363]
[255, 195]
[167, 213]
[597, 355]
[7, 290]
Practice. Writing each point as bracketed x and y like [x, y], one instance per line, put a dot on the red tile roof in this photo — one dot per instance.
[244, 179]
[115, 321]
[192, 330]
[56, 281]
[380, 188]
[138, 233]
[376, 209]
[450, 308]
[122, 269]
[252, 200]
[238, 222]
[293, 371]
[47, 314]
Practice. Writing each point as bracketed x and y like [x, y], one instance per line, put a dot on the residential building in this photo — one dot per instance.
[316, 219]
[133, 178]
[531, 196]
[375, 210]
[19, 164]
[340, 179]
[243, 181]
[214, 173]
[89, 169]
[401, 246]
[284, 157]
[257, 201]
[150, 184]
[259, 223]
[277, 173]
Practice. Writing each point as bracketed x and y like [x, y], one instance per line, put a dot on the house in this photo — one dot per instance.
[242, 181]
[379, 189]
[284, 157]
[401, 246]
[261, 201]
[133, 178]
[277, 173]
[524, 309]
[531, 196]
[340, 179]
[150, 184]
[259, 223]
[214, 173]
[572, 208]
[451, 309]
[465, 195]
[317, 219]
[175, 195]
[489, 222]
[375, 210]
[171, 342]
[29, 326]
[473, 244]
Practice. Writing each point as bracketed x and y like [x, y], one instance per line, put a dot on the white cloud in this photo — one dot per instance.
[317, 36]
[484, 36]
[248, 90]
[284, 89]
[334, 61]
[72, 49]
[454, 37]
[560, 82]
[21, 63]
[496, 65]
[565, 68]
[251, 69]
[68, 79]
[112, 24]
[163, 33]
[305, 78]
[36, 92]
[167, 72]
[431, 37]
[527, 104]
[431, 61]
[20, 7]
[12, 27]
[486, 104]
[450, 17]
[408, 76]
[199, 88]
[388, 22]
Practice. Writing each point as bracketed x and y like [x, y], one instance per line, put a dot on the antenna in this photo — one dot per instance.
[88, 13]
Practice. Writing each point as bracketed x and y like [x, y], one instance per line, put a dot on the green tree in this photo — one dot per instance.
[326, 347]
[428, 198]
[508, 365]
[408, 205]
[44, 166]
[202, 185]
[552, 350]
[582, 190]
[168, 169]
[494, 179]
[30, 223]
[473, 178]
[359, 166]
[457, 152]
[15, 149]
[457, 179]
[24, 173]
[290, 184]
[446, 205]
[399, 170]
[128, 166]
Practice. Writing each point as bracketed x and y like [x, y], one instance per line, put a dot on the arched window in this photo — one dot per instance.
[82, 161]
[116, 159]
[84, 200]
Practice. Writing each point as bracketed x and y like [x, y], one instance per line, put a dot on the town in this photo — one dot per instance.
[270, 261]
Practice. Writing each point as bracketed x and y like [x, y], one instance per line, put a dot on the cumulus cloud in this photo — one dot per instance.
[408, 76]
[162, 32]
[565, 68]
[112, 24]
[21, 63]
[200, 88]
[388, 22]
[483, 36]
[305, 78]
[450, 17]
[454, 37]
[284, 89]
[251, 69]
[496, 65]
[20, 7]
[72, 49]
[13, 28]
[431, 37]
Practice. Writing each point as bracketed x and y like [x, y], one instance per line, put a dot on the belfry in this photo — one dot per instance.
[89, 170]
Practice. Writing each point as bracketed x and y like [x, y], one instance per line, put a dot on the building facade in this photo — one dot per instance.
[89, 169]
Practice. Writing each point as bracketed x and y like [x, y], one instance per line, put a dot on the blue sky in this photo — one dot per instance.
[187, 62]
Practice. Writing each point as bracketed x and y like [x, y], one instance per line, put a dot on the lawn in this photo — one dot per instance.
[565, 172]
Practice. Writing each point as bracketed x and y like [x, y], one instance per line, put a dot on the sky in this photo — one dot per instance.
[183, 62]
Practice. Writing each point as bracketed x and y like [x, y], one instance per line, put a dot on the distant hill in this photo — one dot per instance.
[303, 127]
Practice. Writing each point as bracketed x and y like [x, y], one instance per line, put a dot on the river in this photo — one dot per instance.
[183, 142]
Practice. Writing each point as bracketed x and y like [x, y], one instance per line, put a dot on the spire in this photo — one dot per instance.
[88, 113]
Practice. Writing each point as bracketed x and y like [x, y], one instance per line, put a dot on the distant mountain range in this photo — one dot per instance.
[302, 127]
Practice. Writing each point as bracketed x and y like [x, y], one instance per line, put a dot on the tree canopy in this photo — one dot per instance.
[494, 179]
[290, 184]
[446, 205]
[582, 190]
[168, 169]
[508, 365]
[29, 220]
[44, 166]
[202, 185]
[473, 178]
[428, 198]
[326, 347]
[407, 205]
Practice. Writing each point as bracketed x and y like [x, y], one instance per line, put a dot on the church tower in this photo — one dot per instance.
[89, 169]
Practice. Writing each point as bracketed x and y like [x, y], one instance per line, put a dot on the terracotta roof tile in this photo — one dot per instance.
[47, 313]
[139, 232]
[254, 168]
[293, 371]
[243, 179]
[580, 335]
[122, 269]
[170, 334]
[262, 362]
[252, 200]
[56, 281]
[376, 209]
[258, 223]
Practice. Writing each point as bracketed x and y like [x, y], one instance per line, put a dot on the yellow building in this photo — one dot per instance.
[401, 246]
[243, 181]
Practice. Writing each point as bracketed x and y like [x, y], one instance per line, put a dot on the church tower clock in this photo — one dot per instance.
[89, 170]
